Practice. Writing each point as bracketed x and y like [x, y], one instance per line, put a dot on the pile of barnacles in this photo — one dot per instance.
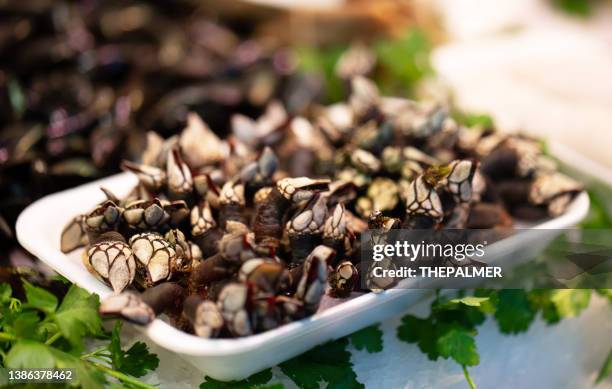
[236, 236]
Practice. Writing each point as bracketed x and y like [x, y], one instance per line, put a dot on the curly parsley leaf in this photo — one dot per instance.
[256, 381]
[514, 312]
[330, 362]
[459, 344]
[369, 338]
[137, 361]
[39, 298]
[606, 369]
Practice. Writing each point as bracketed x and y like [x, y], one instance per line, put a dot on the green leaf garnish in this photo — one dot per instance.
[77, 316]
[258, 380]
[42, 334]
[28, 353]
[330, 362]
[39, 298]
[369, 338]
[606, 368]
[514, 313]
[137, 361]
[471, 301]
[459, 344]
[473, 120]
[570, 302]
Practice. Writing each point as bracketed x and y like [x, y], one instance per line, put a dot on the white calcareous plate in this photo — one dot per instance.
[39, 228]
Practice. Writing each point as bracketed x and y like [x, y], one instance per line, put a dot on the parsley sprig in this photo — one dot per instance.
[450, 329]
[42, 332]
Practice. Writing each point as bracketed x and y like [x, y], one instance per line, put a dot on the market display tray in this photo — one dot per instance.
[39, 228]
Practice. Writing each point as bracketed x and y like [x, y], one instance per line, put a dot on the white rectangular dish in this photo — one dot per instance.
[39, 228]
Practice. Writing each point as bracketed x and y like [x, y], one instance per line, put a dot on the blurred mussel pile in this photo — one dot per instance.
[238, 234]
[81, 80]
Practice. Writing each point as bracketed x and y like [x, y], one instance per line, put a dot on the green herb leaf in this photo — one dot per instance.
[41, 334]
[257, 380]
[607, 293]
[115, 346]
[514, 313]
[5, 292]
[77, 316]
[137, 361]
[449, 330]
[470, 301]
[330, 362]
[25, 325]
[321, 63]
[60, 278]
[421, 332]
[471, 120]
[600, 211]
[459, 344]
[369, 338]
[606, 369]
[39, 298]
[540, 301]
[456, 314]
[402, 62]
[29, 354]
[581, 8]
[87, 376]
[570, 302]
[490, 305]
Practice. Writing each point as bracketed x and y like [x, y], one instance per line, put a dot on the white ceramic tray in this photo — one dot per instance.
[39, 228]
